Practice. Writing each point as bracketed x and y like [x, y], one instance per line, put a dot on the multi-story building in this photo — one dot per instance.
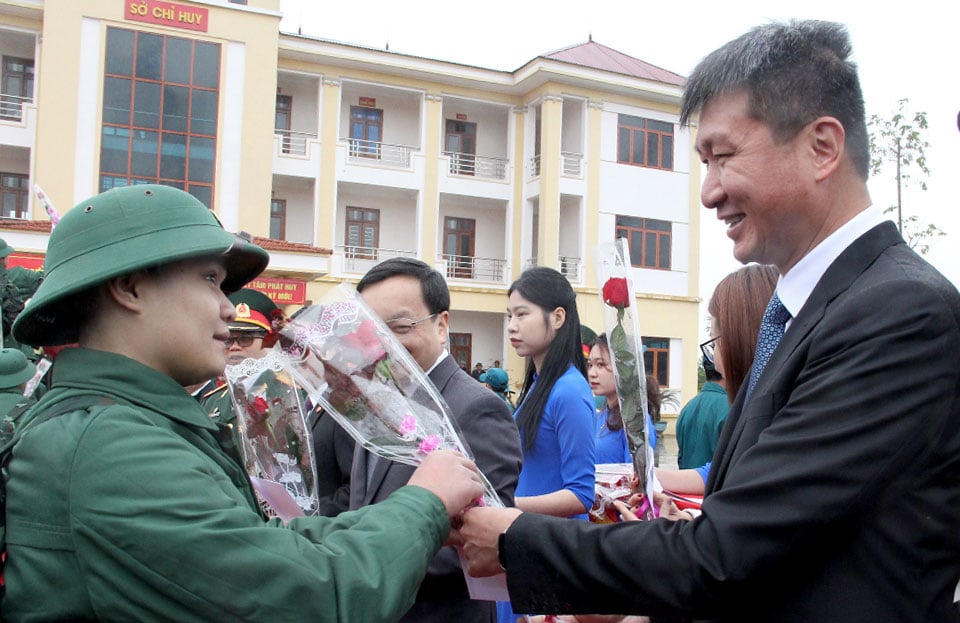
[336, 156]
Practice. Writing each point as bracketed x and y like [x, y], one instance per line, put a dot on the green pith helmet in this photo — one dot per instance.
[5, 249]
[119, 232]
[587, 335]
[15, 368]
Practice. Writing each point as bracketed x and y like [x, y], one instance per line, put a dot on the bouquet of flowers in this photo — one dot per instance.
[612, 485]
[350, 363]
[623, 336]
[275, 438]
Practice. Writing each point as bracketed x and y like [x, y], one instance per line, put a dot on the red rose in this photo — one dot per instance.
[260, 406]
[258, 412]
[616, 293]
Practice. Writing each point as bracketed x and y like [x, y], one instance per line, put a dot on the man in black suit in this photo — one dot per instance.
[835, 488]
[413, 300]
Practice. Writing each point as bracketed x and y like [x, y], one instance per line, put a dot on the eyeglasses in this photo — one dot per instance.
[708, 348]
[401, 326]
[244, 340]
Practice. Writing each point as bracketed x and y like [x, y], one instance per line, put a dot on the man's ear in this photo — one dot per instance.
[443, 326]
[126, 290]
[827, 136]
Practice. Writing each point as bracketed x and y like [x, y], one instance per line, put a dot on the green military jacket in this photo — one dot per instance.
[10, 398]
[132, 511]
[27, 281]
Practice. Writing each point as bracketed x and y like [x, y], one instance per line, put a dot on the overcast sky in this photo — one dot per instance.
[902, 51]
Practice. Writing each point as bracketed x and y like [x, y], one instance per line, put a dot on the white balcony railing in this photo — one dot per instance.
[489, 167]
[11, 106]
[570, 267]
[393, 155]
[475, 268]
[362, 259]
[294, 143]
[572, 163]
[535, 166]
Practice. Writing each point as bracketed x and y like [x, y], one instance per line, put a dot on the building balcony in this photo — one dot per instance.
[571, 164]
[296, 154]
[379, 154]
[471, 268]
[355, 260]
[571, 268]
[18, 121]
[471, 165]
[11, 107]
[533, 165]
[568, 266]
[295, 143]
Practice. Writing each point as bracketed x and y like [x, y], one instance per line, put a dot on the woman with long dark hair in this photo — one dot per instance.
[555, 410]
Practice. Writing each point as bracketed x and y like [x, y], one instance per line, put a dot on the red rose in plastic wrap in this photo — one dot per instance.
[365, 343]
[258, 412]
[616, 293]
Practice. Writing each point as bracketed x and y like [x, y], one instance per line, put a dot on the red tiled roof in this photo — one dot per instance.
[599, 56]
[19, 224]
[289, 247]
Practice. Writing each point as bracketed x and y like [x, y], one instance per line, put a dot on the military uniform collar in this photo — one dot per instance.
[130, 381]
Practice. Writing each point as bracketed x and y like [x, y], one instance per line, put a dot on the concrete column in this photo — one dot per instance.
[327, 191]
[548, 239]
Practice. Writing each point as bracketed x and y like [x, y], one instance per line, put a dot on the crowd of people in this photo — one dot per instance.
[822, 440]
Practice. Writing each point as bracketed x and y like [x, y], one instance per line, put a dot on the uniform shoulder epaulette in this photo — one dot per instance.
[216, 390]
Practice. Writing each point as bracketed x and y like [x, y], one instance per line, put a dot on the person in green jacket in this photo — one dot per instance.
[122, 505]
[24, 279]
[15, 371]
[17, 284]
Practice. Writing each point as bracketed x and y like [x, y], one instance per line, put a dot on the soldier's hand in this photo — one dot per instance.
[451, 477]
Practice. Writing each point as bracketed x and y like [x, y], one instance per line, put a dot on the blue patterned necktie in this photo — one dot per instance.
[774, 321]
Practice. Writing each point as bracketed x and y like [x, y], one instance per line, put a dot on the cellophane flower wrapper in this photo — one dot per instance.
[612, 485]
[622, 327]
[349, 362]
[275, 439]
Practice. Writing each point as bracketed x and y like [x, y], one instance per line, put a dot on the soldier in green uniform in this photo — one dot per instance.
[15, 371]
[252, 324]
[121, 504]
[17, 284]
[25, 280]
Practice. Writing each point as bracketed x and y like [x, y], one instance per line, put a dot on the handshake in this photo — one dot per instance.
[457, 482]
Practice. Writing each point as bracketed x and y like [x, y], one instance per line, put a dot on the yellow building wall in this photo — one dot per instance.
[58, 86]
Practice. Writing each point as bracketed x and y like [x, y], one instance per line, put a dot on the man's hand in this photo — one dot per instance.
[481, 531]
[451, 477]
[669, 510]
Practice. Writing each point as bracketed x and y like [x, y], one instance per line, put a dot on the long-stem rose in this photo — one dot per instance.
[616, 293]
[623, 337]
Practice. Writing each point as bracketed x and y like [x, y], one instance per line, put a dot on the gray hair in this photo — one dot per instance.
[793, 73]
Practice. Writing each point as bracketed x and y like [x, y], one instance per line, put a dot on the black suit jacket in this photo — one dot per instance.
[333, 449]
[834, 493]
[488, 429]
